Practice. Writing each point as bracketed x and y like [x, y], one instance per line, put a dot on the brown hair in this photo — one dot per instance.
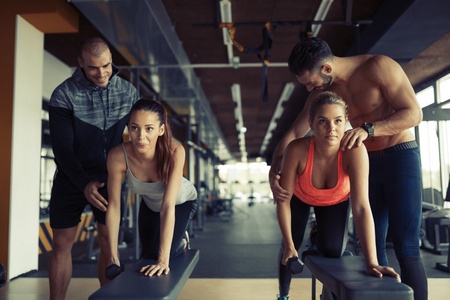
[163, 152]
[326, 98]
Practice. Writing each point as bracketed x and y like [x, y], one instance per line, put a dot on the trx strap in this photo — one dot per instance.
[267, 45]
[307, 34]
[267, 36]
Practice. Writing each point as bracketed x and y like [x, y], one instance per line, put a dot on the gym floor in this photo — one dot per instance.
[195, 289]
[238, 255]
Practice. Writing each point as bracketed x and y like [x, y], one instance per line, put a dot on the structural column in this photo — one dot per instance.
[24, 23]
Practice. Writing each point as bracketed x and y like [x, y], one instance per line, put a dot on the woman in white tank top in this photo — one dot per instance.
[153, 164]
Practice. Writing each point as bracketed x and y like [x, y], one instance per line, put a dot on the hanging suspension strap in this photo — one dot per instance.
[267, 36]
[267, 46]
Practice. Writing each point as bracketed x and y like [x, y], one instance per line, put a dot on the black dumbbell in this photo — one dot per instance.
[113, 271]
[295, 265]
[2, 275]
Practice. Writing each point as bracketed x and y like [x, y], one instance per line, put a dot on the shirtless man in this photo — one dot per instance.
[382, 109]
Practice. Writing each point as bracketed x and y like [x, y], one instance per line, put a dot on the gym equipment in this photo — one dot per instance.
[433, 234]
[113, 271]
[132, 284]
[347, 278]
[445, 266]
[295, 265]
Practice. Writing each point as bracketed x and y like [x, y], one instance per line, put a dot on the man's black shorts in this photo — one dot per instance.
[67, 203]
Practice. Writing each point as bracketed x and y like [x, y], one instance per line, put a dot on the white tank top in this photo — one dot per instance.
[152, 192]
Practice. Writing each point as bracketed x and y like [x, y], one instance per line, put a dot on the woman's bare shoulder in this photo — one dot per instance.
[176, 147]
[301, 142]
[355, 151]
[355, 157]
[299, 145]
[116, 157]
[116, 152]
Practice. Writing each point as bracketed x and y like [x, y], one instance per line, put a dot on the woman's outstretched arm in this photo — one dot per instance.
[116, 167]
[167, 213]
[356, 164]
[289, 167]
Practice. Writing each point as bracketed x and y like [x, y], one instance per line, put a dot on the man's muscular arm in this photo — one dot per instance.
[397, 91]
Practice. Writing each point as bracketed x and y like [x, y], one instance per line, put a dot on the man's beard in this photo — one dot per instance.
[327, 81]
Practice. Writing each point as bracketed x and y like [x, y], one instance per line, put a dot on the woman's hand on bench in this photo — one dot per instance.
[158, 269]
[379, 271]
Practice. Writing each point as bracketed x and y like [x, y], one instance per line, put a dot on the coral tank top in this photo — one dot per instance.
[306, 192]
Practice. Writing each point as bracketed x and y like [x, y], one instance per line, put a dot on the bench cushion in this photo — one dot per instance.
[347, 278]
[131, 284]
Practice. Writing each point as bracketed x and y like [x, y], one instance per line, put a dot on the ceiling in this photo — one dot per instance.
[178, 49]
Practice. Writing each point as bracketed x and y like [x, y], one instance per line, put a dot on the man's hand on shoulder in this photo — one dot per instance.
[353, 138]
[93, 196]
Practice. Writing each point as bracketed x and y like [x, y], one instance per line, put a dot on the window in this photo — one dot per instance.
[444, 90]
[444, 140]
[429, 153]
[426, 97]
[435, 142]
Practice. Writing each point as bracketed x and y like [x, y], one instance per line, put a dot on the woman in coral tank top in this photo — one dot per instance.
[321, 176]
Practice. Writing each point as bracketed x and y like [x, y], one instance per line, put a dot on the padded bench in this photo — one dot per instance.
[131, 284]
[347, 278]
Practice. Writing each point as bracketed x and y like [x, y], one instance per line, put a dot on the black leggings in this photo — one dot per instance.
[331, 238]
[149, 229]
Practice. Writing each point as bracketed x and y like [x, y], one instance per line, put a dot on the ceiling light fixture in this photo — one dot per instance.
[225, 17]
[285, 95]
[225, 11]
[236, 96]
[321, 14]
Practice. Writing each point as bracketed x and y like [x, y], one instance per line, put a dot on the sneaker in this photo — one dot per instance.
[282, 297]
[186, 241]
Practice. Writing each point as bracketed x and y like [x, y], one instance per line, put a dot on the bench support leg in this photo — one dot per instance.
[445, 266]
[313, 287]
